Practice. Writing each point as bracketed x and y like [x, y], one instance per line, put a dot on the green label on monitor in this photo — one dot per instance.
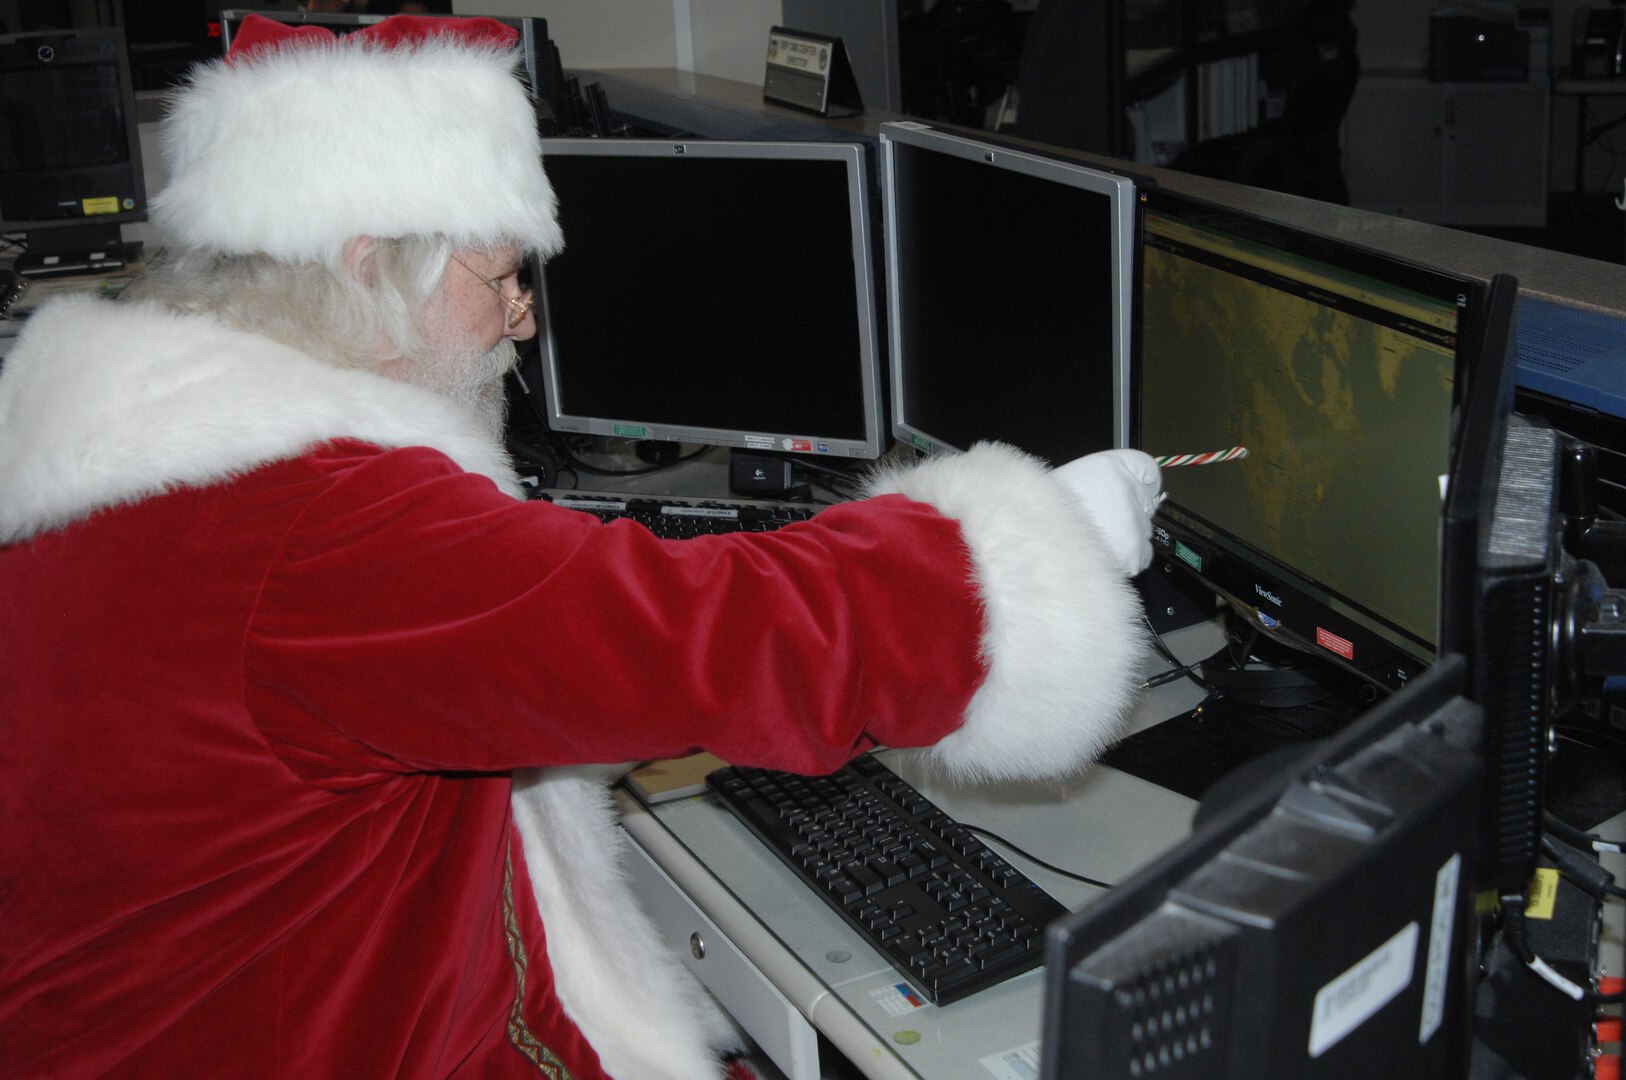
[921, 443]
[1189, 556]
[631, 431]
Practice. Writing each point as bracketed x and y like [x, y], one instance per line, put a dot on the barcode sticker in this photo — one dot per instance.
[1022, 1063]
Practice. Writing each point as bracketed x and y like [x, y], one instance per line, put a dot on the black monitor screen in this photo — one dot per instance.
[1338, 371]
[1008, 303]
[713, 292]
[68, 145]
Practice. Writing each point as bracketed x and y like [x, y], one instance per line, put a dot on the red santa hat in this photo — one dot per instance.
[299, 140]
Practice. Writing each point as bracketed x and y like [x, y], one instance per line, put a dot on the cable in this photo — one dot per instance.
[828, 470]
[1178, 671]
[598, 471]
[1584, 871]
[1578, 837]
[1603, 742]
[996, 838]
[1513, 932]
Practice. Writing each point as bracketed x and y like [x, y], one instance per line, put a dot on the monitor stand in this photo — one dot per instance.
[77, 249]
[1266, 702]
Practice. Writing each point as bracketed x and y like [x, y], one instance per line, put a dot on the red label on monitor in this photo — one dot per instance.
[1333, 643]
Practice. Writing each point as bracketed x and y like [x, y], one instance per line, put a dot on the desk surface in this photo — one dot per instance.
[1103, 823]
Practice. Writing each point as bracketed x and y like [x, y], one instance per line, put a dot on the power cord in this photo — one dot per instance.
[996, 838]
[1178, 670]
[1581, 869]
[1591, 878]
[1579, 837]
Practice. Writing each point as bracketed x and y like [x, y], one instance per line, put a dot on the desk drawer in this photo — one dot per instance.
[749, 996]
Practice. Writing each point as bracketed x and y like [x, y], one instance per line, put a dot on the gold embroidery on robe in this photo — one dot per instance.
[546, 1062]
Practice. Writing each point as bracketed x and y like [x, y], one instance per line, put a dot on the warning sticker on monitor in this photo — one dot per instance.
[1354, 997]
[1335, 644]
[108, 205]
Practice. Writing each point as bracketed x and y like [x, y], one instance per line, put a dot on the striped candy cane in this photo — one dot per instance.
[1213, 457]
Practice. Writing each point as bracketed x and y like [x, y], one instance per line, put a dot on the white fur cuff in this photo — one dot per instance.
[1062, 629]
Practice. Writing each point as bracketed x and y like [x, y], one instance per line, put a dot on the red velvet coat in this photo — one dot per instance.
[275, 637]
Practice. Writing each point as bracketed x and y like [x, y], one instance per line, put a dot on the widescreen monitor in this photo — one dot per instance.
[1340, 372]
[70, 156]
[1321, 919]
[1009, 288]
[713, 292]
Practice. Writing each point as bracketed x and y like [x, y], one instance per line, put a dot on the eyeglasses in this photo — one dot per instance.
[517, 309]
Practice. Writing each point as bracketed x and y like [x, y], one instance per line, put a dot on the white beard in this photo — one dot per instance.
[473, 380]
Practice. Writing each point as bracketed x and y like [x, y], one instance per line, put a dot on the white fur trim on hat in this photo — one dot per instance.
[295, 150]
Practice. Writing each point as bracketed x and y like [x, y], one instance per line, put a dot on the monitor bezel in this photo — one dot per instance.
[1120, 189]
[137, 177]
[874, 441]
[1386, 653]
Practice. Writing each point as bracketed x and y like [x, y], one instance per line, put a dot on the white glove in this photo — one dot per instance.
[1119, 489]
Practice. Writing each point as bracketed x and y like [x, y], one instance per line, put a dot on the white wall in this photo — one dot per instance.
[731, 36]
[725, 38]
[595, 34]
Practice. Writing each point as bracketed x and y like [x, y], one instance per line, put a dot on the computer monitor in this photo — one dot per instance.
[1320, 928]
[70, 157]
[713, 292]
[1340, 371]
[1321, 921]
[1009, 286]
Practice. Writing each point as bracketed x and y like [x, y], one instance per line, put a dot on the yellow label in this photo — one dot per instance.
[108, 205]
[1543, 894]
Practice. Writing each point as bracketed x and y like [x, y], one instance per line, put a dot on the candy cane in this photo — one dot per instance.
[1213, 457]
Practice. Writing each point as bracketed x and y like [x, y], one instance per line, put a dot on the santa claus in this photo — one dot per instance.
[302, 699]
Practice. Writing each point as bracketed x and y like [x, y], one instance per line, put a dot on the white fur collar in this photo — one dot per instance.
[108, 403]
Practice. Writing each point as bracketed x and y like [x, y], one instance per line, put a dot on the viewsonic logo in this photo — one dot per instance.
[1268, 595]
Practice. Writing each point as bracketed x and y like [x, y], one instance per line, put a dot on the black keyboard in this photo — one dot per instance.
[680, 519]
[947, 911]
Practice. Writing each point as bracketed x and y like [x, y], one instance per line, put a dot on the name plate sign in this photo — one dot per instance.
[810, 71]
